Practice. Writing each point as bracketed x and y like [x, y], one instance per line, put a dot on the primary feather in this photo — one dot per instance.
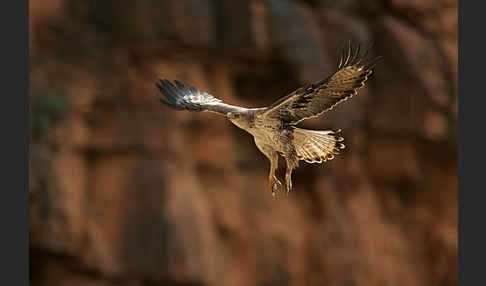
[181, 97]
[316, 98]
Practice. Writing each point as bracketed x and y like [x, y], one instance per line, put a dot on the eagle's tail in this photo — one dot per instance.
[317, 146]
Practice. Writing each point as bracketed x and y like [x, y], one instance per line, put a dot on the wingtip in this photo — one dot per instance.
[171, 105]
[350, 55]
[166, 90]
[354, 56]
[179, 84]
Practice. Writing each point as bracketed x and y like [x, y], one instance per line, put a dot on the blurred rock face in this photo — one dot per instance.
[124, 191]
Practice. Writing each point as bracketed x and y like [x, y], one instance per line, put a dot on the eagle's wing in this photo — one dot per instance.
[181, 97]
[316, 98]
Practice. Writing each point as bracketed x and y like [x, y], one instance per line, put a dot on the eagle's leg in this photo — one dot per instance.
[274, 183]
[272, 156]
[288, 176]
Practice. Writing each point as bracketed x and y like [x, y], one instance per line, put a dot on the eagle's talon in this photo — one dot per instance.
[288, 188]
[275, 185]
[288, 179]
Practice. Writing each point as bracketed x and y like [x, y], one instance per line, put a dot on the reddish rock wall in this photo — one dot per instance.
[124, 191]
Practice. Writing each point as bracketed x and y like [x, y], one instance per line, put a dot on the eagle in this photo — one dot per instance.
[274, 127]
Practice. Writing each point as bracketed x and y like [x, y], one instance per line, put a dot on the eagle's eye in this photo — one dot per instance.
[234, 115]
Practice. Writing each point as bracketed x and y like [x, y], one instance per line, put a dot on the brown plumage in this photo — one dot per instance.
[273, 127]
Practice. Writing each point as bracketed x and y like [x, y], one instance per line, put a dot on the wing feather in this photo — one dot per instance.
[316, 98]
[180, 97]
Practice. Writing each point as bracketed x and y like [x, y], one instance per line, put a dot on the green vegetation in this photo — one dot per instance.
[47, 110]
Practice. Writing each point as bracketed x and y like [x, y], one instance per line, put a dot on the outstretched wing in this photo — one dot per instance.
[180, 97]
[316, 98]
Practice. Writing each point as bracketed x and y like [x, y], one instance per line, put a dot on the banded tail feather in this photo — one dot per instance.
[317, 146]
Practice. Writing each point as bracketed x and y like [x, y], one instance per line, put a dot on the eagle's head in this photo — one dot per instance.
[238, 118]
[234, 115]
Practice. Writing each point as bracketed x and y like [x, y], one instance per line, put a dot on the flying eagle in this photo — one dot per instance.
[273, 127]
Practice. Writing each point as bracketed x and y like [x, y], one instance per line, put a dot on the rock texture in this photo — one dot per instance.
[124, 191]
